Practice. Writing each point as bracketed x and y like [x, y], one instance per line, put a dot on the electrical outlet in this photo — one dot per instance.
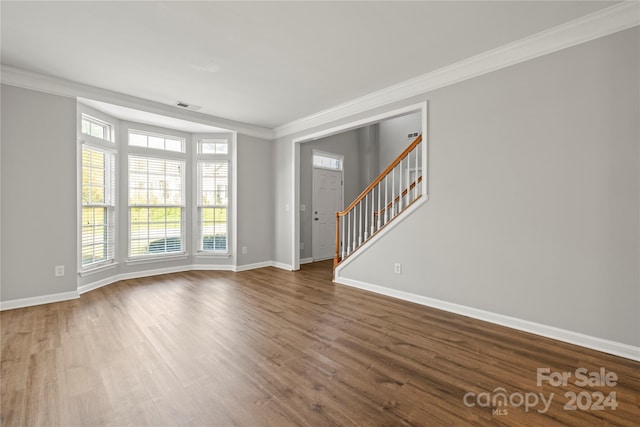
[397, 268]
[301, 245]
[59, 270]
[303, 208]
[244, 250]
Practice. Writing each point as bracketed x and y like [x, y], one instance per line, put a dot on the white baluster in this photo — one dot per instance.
[386, 198]
[400, 188]
[355, 238]
[415, 175]
[347, 220]
[379, 209]
[360, 224]
[393, 192]
[366, 215]
[373, 216]
[342, 239]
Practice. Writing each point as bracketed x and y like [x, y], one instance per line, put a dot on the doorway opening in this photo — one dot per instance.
[361, 136]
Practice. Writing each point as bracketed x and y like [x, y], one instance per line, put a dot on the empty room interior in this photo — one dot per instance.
[315, 213]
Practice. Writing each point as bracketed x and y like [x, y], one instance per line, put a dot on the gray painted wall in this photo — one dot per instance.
[393, 136]
[39, 202]
[255, 200]
[369, 152]
[534, 189]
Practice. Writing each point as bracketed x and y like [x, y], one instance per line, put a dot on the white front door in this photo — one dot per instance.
[327, 200]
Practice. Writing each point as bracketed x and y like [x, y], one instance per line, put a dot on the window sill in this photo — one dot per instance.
[97, 269]
[156, 258]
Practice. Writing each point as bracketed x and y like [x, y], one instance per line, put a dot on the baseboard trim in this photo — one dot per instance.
[44, 299]
[253, 266]
[155, 272]
[612, 347]
[282, 266]
[306, 260]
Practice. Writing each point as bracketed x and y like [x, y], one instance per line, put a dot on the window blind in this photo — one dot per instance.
[156, 205]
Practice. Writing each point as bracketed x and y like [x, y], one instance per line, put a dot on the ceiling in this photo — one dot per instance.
[262, 63]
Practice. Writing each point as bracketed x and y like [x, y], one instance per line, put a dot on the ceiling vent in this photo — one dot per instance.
[188, 106]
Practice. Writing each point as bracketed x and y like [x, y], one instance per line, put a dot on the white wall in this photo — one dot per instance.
[534, 188]
[39, 216]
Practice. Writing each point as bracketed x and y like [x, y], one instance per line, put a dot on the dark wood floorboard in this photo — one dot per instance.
[274, 348]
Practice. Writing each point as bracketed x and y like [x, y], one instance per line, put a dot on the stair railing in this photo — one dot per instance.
[394, 190]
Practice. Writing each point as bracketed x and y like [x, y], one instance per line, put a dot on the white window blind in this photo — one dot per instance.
[98, 206]
[213, 204]
[156, 205]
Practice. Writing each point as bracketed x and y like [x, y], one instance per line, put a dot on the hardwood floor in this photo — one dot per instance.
[276, 348]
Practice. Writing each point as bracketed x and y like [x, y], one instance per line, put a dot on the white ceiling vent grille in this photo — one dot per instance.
[188, 106]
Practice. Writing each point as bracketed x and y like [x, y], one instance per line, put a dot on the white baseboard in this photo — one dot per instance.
[155, 272]
[253, 266]
[282, 266]
[306, 260]
[134, 275]
[39, 300]
[46, 299]
[612, 347]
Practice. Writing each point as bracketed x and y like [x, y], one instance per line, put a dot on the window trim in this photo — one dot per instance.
[109, 146]
[136, 130]
[326, 154]
[92, 119]
[199, 206]
[199, 158]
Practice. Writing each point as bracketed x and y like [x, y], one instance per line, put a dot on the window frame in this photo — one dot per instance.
[102, 123]
[165, 136]
[201, 158]
[110, 148]
[163, 155]
[318, 153]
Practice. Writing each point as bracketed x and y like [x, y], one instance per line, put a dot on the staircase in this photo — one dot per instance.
[387, 197]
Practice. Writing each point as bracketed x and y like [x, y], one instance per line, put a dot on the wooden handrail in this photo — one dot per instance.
[380, 177]
[397, 199]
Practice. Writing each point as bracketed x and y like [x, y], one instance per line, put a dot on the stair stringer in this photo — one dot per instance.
[374, 240]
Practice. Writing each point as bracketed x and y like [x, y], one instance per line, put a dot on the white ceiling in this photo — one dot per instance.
[262, 63]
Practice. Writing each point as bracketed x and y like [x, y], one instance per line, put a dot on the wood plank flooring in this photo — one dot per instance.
[274, 348]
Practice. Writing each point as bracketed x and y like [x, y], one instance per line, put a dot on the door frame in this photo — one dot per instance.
[314, 256]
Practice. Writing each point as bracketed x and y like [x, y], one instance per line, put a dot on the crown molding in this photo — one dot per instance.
[54, 85]
[589, 27]
[599, 24]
